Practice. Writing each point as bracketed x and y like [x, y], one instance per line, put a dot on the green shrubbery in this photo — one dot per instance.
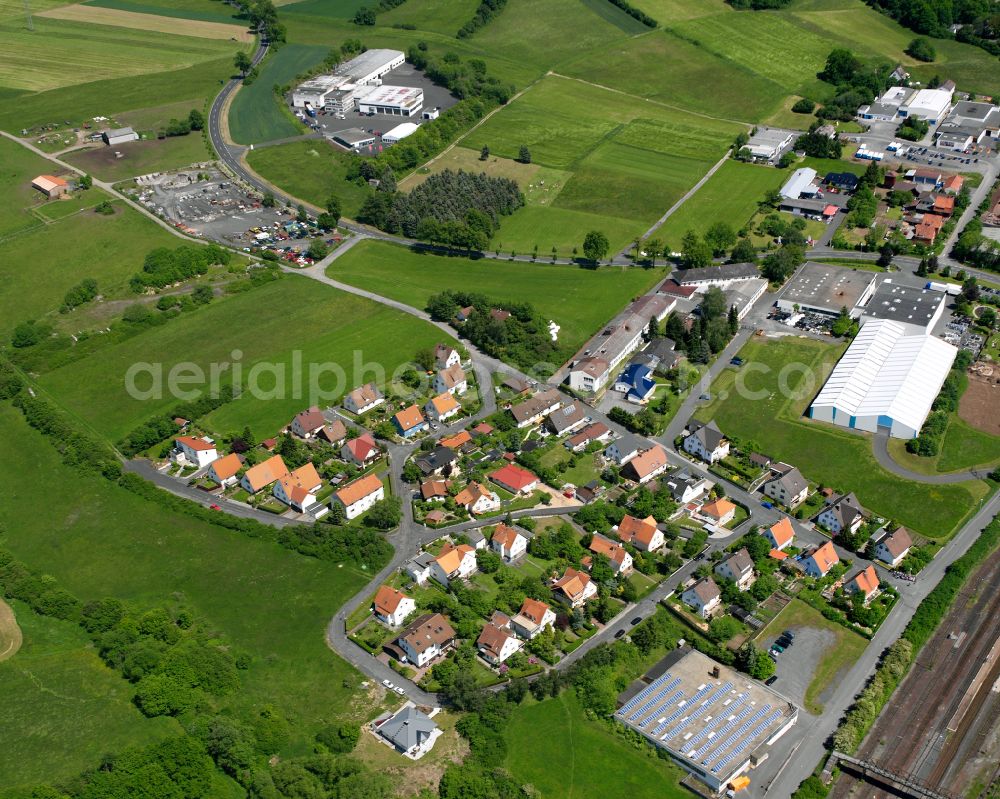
[164, 266]
[163, 427]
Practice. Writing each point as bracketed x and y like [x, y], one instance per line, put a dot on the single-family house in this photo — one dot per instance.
[482, 429]
[636, 383]
[643, 534]
[409, 422]
[409, 731]
[223, 470]
[865, 582]
[597, 431]
[787, 486]
[454, 562]
[363, 399]
[536, 408]
[686, 487]
[515, 479]
[476, 539]
[704, 597]
[463, 314]
[647, 464]
[533, 618]
[333, 433]
[425, 639]
[623, 449]
[706, 441]
[263, 474]
[780, 534]
[439, 460]
[477, 498]
[819, 560]
[566, 419]
[392, 606]
[842, 512]
[442, 407]
[508, 543]
[621, 560]
[434, 490]
[457, 441]
[892, 547]
[451, 380]
[308, 423]
[358, 496]
[721, 511]
[418, 568]
[575, 588]
[298, 488]
[738, 567]
[445, 356]
[361, 450]
[589, 374]
[196, 451]
[496, 644]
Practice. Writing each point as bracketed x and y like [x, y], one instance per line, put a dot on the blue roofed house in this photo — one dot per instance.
[636, 382]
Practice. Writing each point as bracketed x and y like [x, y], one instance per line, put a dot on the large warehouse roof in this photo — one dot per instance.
[888, 371]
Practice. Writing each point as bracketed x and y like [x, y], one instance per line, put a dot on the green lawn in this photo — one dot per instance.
[838, 656]
[324, 325]
[824, 453]
[730, 195]
[60, 53]
[310, 170]
[63, 708]
[962, 447]
[440, 16]
[207, 10]
[554, 746]
[579, 300]
[255, 115]
[100, 540]
[18, 166]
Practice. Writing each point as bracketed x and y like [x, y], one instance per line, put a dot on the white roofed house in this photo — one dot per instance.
[196, 451]
[706, 441]
[738, 567]
[800, 184]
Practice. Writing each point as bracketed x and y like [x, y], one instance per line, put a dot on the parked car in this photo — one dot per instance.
[399, 691]
[636, 620]
[215, 507]
[388, 684]
[736, 361]
[789, 634]
[767, 504]
[771, 680]
[776, 647]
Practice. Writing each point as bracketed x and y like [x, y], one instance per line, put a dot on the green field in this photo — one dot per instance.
[440, 16]
[100, 540]
[18, 166]
[288, 315]
[311, 170]
[60, 53]
[963, 447]
[579, 300]
[667, 11]
[206, 10]
[62, 707]
[824, 453]
[141, 157]
[730, 195]
[255, 115]
[553, 746]
[336, 9]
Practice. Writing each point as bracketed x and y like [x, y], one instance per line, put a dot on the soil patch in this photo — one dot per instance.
[980, 401]
[10, 633]
[149, 22]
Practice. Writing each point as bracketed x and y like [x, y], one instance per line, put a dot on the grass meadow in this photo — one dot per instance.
[141, 157]
[825, 453]
[553, 746]
[580, 300]
[255, 115]
[100, 540]
[18, 166]
[60, 53]
[59, 698]
[439, 16]
[311, 170]
[291, 314]
[963, 447]
[205, 10]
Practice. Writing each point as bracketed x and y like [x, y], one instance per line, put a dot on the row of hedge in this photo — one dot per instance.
[162, 427]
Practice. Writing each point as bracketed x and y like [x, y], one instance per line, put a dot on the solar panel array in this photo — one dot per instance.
[746, 742]
[645, 692]
[694, 740]
[715, 697]
[657, 699]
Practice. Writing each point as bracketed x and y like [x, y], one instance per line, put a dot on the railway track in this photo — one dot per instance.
[911, 736]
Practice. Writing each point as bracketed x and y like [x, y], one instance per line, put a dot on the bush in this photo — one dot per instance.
[804, 106]
[921, 49]
[339, 738]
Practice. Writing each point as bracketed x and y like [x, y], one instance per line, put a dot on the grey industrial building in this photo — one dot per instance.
[917, 308]
[712, 720]
[827, 288]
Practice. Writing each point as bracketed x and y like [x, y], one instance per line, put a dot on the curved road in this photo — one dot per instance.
[880, 446]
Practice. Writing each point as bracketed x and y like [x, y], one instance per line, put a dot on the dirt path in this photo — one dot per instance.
[10, 632]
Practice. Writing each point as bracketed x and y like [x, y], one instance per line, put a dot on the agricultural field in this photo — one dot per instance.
[100, 540]
[60, 53]
[667, 11]
[63, 708]
[255, 114]
[439, 16]
[311, 170]
[141, 157]
[825, 453]
[343, 9]
[580, 300]
[207, 10]
[553, 746]
[150, 22]
[731, 194]
[628, 164]
[18, 166]
[291, 315]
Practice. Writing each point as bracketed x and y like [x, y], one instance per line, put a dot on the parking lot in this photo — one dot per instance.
[796, 666]
[406, 75]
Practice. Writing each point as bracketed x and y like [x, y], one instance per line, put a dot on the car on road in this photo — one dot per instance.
[771, 680]
[736, 361]
[388, 684]
[706, 397]
[619, 634]
[213, 506]
[767, 504]
[399, 691]
[636, 620]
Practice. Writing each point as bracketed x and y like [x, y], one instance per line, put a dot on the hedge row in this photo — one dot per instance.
[162, 427]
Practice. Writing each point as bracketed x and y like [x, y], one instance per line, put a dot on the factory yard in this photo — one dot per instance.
[941, 725]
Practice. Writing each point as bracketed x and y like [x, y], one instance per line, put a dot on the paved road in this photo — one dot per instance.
[880, 446]
[810, 739]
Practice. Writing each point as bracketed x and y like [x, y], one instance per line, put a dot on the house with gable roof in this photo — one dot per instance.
[508, 543]
[533, 618]
[392, 606]
[454, 562]
[706, 441]
[643, 534]
[308, 423]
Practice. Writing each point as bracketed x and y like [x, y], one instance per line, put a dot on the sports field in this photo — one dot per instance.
[62, 707]
[553, 746]
[296, 314]
[730, 195]
[254, 115]
[824, 453]
[311, 170]
[100, 540]
[62, 53]
[580, 300]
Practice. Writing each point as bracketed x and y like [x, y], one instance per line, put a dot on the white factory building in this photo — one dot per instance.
[404, 101]
[400, 132]
[353, 81]
[886, 381]
[901, 101]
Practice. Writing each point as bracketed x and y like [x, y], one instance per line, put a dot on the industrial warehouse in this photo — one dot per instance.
[712, 720]
[887, 380]
[357, 85]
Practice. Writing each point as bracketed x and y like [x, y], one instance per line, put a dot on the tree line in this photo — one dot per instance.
[486, 12]
[163, 266]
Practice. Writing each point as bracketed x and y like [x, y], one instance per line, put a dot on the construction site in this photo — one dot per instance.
[939, 736]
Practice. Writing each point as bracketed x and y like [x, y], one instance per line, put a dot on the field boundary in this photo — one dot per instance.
[136, 20]
[9, 631]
